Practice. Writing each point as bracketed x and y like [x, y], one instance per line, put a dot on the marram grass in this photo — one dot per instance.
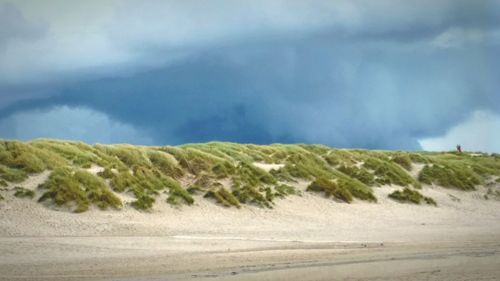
[225, 174]
[408, 195]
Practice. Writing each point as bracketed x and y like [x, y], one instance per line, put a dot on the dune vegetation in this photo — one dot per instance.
[411, 196]
[226, 173]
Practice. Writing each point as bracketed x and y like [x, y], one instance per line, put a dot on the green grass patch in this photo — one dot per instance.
[283, 190]
[21, 156]
[223, 197]
[418, 158]
[449, 176]
[177, 193]
[107, 173]
[248, 194]
[148, 182]
[147, 172]
[411, 196]
[165, 163]
[78, 190]
[12, 175]
[403, 160]
[201, 184]
[63, 189]
[357, 189]
[79, 154]
[129, 155]
[21, 192]
[143, 202]
[387, 172]
[330, 188]
[360, 174]
[196, 161]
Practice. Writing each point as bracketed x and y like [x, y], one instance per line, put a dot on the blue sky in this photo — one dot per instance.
[370, 74]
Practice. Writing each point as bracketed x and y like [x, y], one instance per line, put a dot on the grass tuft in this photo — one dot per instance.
[449, 176]
[403, 160]
[12, 175]
[21, 192]
[330, 188]
[177, 193]
[283, 190]
[411, 196]
[78, 190]
[360, 174]
[388, 173]
[165, 163]
[143, 202]
[223, 197]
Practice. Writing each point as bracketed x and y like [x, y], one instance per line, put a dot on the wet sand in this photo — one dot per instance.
[167, 258]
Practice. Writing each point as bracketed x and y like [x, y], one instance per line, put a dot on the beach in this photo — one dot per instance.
[305, 237]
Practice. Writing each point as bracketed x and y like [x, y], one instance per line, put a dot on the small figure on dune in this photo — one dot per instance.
[459, 148]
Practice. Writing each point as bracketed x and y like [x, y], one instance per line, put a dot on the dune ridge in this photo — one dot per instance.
[75, 176]
[225, 211]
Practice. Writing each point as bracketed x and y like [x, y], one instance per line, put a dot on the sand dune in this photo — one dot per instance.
[300, 236]
[304, 237]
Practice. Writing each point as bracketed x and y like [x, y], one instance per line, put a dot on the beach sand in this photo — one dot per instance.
[306, 237]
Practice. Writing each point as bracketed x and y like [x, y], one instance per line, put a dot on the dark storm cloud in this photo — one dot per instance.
[376, 76]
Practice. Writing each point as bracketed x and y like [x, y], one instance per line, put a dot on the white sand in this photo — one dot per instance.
[308, 231]
[268, 167]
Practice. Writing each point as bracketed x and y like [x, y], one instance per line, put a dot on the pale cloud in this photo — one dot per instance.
[481, 132]
[72, 40]
[15, 27]
[70, 123]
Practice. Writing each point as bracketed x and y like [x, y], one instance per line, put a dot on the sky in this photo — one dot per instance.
[381, 74]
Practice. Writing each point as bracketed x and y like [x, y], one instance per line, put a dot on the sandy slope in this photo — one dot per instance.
[304, 237]
[309, 217]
